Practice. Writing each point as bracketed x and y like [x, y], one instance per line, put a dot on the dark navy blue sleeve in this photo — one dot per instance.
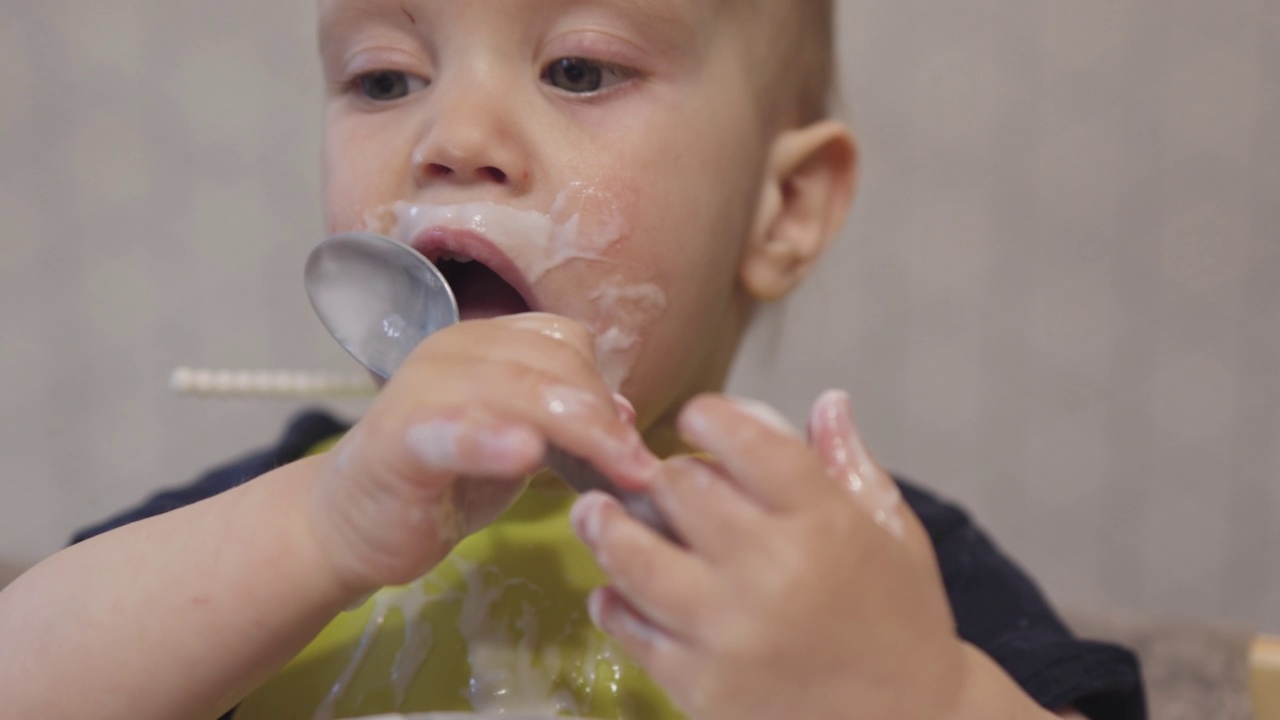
[999, 610]
[303, 433]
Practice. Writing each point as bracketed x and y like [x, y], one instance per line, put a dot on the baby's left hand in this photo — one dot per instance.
[806, 589]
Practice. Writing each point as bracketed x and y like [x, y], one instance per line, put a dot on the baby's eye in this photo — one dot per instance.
[584, 77]
[387, 85]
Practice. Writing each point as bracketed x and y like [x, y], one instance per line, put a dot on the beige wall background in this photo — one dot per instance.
[1058, 299]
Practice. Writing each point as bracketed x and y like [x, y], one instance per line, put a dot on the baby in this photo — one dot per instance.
[612, 186]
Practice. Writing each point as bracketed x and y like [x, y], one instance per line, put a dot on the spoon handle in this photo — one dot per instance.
[582, 477]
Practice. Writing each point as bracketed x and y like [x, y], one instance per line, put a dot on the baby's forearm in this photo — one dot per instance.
[177, 616]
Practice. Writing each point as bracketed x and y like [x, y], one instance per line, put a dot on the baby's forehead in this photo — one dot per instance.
[668, 7]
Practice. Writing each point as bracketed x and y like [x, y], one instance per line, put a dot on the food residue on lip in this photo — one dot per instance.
[582, 224]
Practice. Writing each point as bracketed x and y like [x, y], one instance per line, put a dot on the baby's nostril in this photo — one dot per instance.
[440, 170]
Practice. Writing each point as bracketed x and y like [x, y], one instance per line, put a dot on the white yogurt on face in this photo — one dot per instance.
[625, 310]
[581, 225]
[533, 242]
[536, 242]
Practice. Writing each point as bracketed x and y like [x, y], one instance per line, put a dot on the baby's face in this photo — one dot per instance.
[601, 159]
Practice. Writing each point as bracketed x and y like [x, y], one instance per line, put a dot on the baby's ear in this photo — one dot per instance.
[808, 187]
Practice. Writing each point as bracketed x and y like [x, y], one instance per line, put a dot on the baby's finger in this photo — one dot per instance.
[841, 447]
[538, 340]
[705, 509]
[665, 583]
[758, 448]
[466, 444]
[582, 423]
[659, 653]
[570, 333]
[548, 344]
[539, 380]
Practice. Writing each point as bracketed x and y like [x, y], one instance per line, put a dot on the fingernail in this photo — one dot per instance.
[829, 429]
[642, 464]
[629, 624]
[626, 411]
[859, 455]
[766, 415]
[849, 459]
[629, 457]
[586, 517]
[834, 405]
[595, 606]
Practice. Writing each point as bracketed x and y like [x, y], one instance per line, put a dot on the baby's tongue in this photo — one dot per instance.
[482, 294]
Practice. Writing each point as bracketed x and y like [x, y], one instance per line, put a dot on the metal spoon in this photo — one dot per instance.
[380, 299]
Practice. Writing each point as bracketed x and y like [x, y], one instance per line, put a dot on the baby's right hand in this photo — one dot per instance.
[446, 446]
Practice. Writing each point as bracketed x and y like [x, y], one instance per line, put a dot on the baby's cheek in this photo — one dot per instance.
[623, 299]
[354, 189]
[342, 207]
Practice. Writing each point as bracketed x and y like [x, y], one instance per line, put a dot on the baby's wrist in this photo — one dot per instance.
[323, 538]
[285, 544]
[370, 539]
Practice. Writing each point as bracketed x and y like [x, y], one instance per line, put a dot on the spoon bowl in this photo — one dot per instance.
[378, 298]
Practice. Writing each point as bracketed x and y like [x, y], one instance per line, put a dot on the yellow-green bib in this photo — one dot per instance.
[501, 624]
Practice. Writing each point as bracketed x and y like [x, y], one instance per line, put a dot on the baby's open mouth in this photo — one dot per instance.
[481, 292]
[485, 281]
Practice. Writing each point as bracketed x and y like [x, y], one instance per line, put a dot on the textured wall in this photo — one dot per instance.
[1058, 299]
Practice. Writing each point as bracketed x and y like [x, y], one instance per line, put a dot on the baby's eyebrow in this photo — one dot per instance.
[667, 12]
[682, 14]
[336, 15]
[677, 20]
[679, 17]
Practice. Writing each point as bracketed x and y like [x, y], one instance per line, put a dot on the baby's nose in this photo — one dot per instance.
[473, 140]
[457, 168]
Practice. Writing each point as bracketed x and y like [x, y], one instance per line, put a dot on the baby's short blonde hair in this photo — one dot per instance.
[815, 46]
[797, 46]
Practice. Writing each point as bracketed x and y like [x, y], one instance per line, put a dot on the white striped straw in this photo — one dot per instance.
[268, 384]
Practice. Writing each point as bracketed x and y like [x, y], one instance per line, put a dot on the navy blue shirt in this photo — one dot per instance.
[997, 607]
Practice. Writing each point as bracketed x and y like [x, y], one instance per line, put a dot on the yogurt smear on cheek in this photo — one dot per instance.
[581, 226]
